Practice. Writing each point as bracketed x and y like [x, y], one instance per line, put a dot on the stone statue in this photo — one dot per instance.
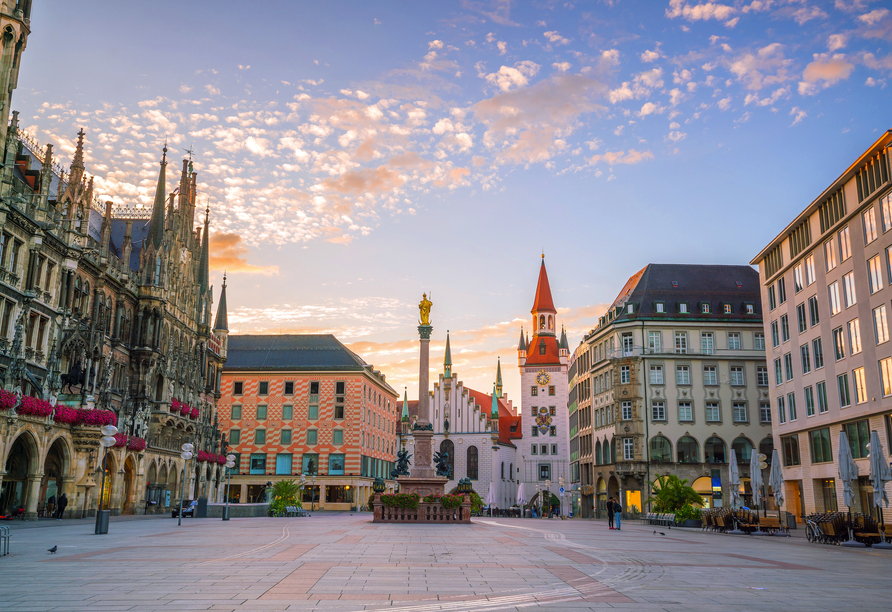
[402, 464]
[441, 462]
[424, 307]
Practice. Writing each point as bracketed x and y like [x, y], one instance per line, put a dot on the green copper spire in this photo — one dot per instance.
[405, 418]
[447, 360]
[499, 378]
[494, 413]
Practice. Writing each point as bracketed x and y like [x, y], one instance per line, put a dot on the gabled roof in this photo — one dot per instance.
[543, 301]
[506, 419]
[312, 352]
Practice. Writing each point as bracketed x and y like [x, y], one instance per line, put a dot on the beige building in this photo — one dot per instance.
[825, 281]
[672, 380]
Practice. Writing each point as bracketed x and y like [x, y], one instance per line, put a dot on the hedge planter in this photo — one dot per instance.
[691, 523]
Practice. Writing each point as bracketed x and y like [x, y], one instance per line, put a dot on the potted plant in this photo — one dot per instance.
[672, 494]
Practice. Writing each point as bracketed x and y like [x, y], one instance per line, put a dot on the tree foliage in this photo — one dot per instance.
[284, 493]
[671, 493]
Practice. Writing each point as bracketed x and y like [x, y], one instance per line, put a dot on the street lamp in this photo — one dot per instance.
[561, 483]
[107, 441]
[230, 463]
[186, 454]
[548, 495]
[539, 497]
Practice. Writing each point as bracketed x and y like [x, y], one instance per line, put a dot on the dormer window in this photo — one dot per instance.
[726, 308]
[683, 307]
[750, 309]
[704, 307]
[541, 348]
[659, 307]
[630, 308]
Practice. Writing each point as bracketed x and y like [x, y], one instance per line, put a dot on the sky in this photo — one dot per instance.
[356, 154]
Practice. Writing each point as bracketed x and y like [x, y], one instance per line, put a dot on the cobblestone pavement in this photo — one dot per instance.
[344, 562]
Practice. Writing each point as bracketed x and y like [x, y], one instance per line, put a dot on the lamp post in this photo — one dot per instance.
[230, 463]
[548, 495]
[107, 441]
[186, 454]
[539, 497]
[561, 483]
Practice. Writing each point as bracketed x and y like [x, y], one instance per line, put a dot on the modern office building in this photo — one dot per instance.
[671, 381]
[825, 290]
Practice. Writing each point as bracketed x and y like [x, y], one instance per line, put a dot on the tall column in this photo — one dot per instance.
[32, 495]
[423, 430]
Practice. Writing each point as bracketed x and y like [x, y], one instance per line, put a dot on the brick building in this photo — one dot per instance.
[299, 406]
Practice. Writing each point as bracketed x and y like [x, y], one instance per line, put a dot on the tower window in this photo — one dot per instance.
[541, 348]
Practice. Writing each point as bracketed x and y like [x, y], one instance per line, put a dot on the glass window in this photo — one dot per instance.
[289, 387]
[259, 436]
[234, 437]
[842, 384]
[830, 254]
[660, 450]
[687, 450]
[287, 412]
[810, 269]
[313, 412]
[740, 412]
[627, 411]
[886, 375]
[624, 375]
[473, 463]
[713, 414]
[875, 274]
[809, 402]
[683, 375]
[781, 290]
[788, 366]
[285, 437]
[860, 385]
[785, 328]
[790, 445]
[801, 323]
[337, 437]
[845, 247]
[858, 434]
[681, 342]
[628, 449]
[734, 341]
[833, 292]
[743, 448]
[258, 463]
[797, 279]
[759, 341]
[781, 410]
[707, 344]
[814, 315]
[869, 219]
[283, 463]
[238, 387]
[704, 308]
[818, 347]
[839, 344]
[775, 334]
[778, 372]
[737, 376]
[628, 345]
[821, 390]
[336, 464]
[886, 211]
[656, 375]
[658, 411]
[683, 307]
[854, 336]
[772, 300]
[660, 307]
[261, 412]
[803, 357]
[821, 449]
[762, 376]
[791, 406]
[655, 341]
[849, 286]
[685, 412]
[709, 375]
[312, 436]
[765, 413]
[309, 463]
[263, 388]
[880, 325]
[235, 412]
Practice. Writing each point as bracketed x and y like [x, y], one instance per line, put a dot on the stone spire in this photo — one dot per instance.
[494, 411]
[76, 172]
[522, 345]
[203, 273]
[564, 345]
[543, 301]
[499, 377]
[221, 323]
[405, 417]
[156, 225]
[447, 360]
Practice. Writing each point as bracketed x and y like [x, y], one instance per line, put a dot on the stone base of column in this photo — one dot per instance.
[434, 485]
[422, 464]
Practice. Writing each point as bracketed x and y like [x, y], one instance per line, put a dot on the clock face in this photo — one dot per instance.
[542, 378]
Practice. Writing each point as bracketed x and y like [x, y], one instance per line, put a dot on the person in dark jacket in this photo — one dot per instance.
[63, 502]
[610, 512]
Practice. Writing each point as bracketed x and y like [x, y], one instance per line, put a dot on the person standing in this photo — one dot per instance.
[51, 506]
[618, 515]
[610, 513]
[63, 502]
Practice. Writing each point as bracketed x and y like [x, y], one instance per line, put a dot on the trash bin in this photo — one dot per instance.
[102, 521]
[201, 511]
[791, 520]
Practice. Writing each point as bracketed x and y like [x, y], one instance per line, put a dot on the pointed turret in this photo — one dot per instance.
[494, 411]
[564, 345]
[405, 416]
[522, 345]
[447, 360]
[499, 377]
[156, 225]
[543, 301]
[203, 273]
[221, 323]
[76, 172]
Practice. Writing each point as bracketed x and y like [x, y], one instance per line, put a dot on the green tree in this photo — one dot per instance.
[671, 493]
[284, 493]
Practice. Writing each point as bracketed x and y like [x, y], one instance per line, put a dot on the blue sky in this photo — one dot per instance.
[356, 154]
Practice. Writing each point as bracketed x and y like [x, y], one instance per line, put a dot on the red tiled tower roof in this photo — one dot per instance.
[543, 301]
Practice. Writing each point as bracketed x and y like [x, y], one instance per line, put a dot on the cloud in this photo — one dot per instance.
[650, 56]
[824, 72]
[228, 253]
[767, 66]
[807, 13]
[781, 92]
[874, 17]
[556, 38]
[724, 103]
[561, 66]
[612, 158]
[699, 12]
[498, 11]
[799, 115]
[508, 78]
[836, 42]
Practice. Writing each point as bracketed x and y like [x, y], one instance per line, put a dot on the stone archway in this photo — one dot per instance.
[172, 475]
[111, 470]
[128, 490]
[56, 466]
[20, 464]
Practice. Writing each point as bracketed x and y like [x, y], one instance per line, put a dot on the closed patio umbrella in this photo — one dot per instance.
[734, 480]
[521, 497]
[848, 474]
[491, 497]
[755, 478]
[880, 475]
[776, 479]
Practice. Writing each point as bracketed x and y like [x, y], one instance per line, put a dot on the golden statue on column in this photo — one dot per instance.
[424, 307]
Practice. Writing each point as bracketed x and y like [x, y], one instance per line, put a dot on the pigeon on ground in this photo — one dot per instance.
[661, 533]
[53, 549]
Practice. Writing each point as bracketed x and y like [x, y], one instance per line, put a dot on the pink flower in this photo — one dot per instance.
[136, 444]
[193, 413]
[120, 440]
[7, 399]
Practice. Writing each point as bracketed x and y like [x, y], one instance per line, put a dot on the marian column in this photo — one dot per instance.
[423, 430]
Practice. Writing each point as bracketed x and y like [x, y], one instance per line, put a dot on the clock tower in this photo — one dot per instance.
[543, 360]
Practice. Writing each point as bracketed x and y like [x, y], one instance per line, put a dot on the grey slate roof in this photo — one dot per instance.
[291, 352]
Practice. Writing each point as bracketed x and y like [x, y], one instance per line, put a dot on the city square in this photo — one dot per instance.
[342, 561]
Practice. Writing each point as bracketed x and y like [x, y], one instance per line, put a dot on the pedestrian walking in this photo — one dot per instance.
[63, 502]
[51, 506]
[610, 505]
[618, 514]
